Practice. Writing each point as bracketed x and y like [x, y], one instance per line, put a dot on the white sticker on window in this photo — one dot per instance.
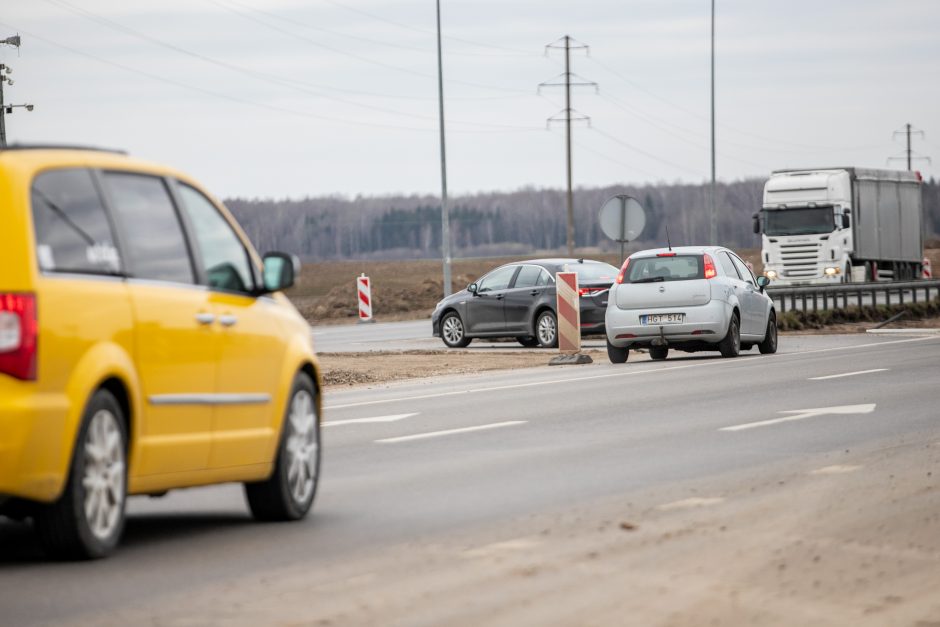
[46, 261]
[103, 255]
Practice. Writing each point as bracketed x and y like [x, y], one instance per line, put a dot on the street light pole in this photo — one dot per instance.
[445, 211]
[713, 218]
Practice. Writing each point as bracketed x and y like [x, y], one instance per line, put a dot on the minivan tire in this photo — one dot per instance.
[99, 457]
[730, 345]
[286, 495]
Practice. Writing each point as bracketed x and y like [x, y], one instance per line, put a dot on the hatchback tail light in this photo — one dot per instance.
[623, 271]
[710, 271]
[18, 335]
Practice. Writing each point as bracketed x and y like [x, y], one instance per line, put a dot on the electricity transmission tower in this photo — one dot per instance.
[5, 109]
[568, 115]
[908, 153]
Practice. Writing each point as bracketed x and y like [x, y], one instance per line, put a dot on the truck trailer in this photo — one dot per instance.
[838, 225]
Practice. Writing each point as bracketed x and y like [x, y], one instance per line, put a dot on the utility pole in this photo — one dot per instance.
[5, 72]
[566, 115]
[445, 211]
[712, 210]
[908, 153]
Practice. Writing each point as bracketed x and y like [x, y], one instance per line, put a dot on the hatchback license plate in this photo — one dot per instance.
[673, 318]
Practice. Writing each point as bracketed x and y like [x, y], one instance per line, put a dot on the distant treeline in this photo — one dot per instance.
[502, 223]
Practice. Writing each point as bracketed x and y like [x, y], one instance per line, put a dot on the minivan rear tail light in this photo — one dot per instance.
[710, 271]
[18, 335]
[623, 271]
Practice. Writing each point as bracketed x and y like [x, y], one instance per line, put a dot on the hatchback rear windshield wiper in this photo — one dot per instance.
[651, 279]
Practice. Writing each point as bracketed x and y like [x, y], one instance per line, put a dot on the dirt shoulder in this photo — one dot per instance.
[351, 369]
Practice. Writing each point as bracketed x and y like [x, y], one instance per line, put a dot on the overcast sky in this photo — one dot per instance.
[281, 98]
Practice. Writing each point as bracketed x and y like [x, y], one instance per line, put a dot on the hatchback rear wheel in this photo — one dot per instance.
[88, 519]
[730, 346]
[617, 355]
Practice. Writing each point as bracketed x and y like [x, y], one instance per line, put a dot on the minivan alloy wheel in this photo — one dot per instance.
[302, 447]
[103, 479]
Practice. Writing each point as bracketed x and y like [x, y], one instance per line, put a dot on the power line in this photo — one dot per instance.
[565, 43]
[643, 152]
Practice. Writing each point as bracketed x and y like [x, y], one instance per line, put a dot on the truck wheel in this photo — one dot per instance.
[88, 519]
[769, 345]
[730, 346]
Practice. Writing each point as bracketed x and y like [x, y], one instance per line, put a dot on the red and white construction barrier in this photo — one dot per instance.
[364, 287]
[927, 272]
[569, 312]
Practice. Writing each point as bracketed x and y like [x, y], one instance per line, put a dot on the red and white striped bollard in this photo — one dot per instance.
[364, 288]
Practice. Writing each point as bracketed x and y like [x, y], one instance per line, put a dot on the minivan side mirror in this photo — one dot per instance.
[280, 271]
[762, 282]
[472, 288]
[756, 218]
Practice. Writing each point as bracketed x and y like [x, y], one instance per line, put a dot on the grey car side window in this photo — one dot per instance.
[529, 276]
[497, 279]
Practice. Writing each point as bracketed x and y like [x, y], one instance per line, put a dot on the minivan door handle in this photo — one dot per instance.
[204, 317]
[227, 320]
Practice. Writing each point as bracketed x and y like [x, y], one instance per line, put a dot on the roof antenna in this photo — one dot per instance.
[668, 243]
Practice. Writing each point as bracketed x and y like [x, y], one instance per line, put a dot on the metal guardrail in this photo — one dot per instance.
[823, 297]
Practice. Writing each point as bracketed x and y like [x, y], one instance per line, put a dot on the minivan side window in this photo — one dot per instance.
[156, 246]
[225, 258]
[72, 230]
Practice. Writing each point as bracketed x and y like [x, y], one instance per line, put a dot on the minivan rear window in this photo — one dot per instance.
[675, 268]
[72, 230]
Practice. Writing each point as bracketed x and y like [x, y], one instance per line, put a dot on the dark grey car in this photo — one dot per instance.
[517, 300]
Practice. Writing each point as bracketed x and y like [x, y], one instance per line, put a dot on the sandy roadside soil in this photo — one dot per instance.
[348, 369]
[861, 549]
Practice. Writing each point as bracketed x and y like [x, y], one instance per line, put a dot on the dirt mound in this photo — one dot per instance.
[342, 300]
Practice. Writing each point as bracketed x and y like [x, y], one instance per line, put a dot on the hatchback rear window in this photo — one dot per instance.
[676, 268]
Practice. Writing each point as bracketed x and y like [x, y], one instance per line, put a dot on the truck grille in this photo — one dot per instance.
[800, 260]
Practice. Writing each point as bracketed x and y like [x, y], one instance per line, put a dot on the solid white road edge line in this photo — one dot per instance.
[711, 363]
[361, 421]
[437, 434]
[847, 374]
[802, 414]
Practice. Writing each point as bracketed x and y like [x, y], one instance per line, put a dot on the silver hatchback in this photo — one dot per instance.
[691, 298]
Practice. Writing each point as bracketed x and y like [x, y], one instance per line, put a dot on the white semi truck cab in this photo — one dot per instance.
[837, 225]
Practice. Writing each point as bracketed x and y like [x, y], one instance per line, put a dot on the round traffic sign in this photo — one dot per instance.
[622, 218]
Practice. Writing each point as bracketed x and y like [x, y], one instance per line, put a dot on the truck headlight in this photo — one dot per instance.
[832, 271]
[770, 274]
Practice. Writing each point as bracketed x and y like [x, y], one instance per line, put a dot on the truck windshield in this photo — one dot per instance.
[798, 221]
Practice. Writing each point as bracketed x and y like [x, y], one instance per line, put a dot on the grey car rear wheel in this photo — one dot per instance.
[546, 329]
[730, 346]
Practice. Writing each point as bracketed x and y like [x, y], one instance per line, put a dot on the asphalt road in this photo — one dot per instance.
[409, 465]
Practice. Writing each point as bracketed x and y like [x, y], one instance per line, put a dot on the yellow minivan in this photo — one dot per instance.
[144, 346]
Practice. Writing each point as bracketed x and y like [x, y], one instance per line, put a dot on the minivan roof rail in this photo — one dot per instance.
[62, 147]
